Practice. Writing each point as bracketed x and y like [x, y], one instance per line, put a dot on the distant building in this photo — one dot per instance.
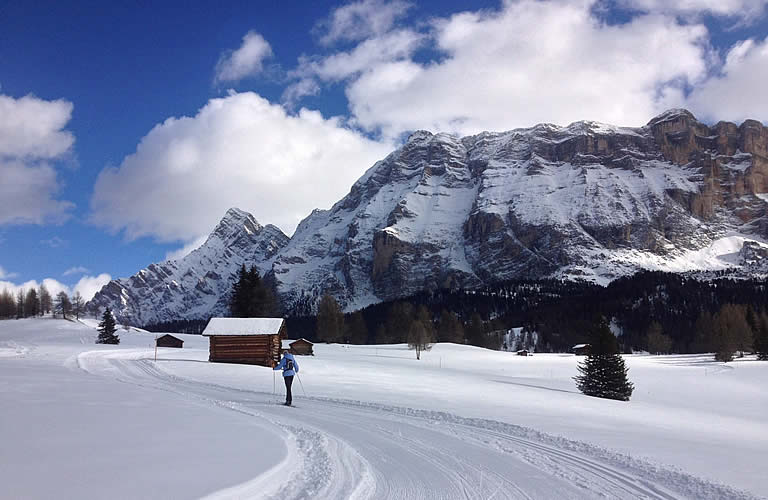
[251, 341]
[581, 349]
[169, 341]
[302, 347]
[522, 352]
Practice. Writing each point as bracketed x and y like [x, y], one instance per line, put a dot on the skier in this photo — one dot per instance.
[290, 368]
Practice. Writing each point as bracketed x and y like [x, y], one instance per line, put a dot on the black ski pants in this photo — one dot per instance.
[288, 383]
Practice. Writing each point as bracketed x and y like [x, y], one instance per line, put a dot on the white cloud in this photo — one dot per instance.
[738, 92]
[238, 151]
[32, 128]
[393, 46]
[532, 62]
[747, 10]
[5, 275]
[360, 20]
[31, 136]
[87, 285]
[245, 61]
[76, 270]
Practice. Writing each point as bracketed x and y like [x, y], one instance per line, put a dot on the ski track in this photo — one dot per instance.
[357, 450]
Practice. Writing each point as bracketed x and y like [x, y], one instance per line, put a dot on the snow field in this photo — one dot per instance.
[375, 423]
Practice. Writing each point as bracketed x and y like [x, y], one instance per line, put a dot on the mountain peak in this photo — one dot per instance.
[673, 114]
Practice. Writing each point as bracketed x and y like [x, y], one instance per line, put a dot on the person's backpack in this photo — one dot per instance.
[288, 364]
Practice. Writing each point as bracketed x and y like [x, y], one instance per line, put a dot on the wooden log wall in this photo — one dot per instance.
[245, 349]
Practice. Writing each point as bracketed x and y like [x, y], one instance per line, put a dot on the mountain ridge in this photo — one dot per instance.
[585, 201]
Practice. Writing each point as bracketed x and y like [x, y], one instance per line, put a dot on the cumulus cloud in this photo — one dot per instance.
[394, 46]
[360, 20]
[529, 62]
[746, 10]
[738, 91]
[87, 285]
[245, 61]
[32, 135]
[239, 150]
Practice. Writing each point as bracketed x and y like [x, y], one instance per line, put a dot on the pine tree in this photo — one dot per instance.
[62, 305]
[356, 331]
[761, 337]
[31, 303]
[107, 329]
[7, 304]
[730, 332]
[330, 320]
[20, 304]
[251, 297]
[449, 328]
[603, 373]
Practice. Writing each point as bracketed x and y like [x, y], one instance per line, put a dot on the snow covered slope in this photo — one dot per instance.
[587, 201]
[198, 285]
[370, 422]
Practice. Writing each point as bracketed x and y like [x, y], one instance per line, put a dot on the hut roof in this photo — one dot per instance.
[243, 326]
[580, 346]
[301, 340]
[169, 336]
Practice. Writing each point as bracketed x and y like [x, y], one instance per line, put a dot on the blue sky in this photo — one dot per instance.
[126, 131]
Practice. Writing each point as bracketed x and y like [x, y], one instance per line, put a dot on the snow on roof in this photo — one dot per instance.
[243, 326]
[302, 339]
[579, 346]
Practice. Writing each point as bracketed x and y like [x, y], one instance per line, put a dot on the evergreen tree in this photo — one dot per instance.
[476, 331]
[20, 304]
[7, 304]
[449, 328]
[703, 333]
[761, 337]
[31, 303]
[62, 305]
[251, 297]
[658, 342]
[603, 373]
[356, 331]
[398, 323]
[330, 320]
[107, 329]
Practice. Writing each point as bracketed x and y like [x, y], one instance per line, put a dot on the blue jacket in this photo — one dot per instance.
[281, 365]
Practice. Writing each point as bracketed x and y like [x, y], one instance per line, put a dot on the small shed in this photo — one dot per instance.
[302, 347]
[168, 340]
[522, 352]
[581, 349]
[251, 341]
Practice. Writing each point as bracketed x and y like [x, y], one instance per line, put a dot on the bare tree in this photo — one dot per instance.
[46, 301]
[62, 305]
[421, 333]
[658, 342]
[78, 305]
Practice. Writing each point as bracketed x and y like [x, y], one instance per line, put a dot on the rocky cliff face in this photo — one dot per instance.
[198, 285]
[586, 201]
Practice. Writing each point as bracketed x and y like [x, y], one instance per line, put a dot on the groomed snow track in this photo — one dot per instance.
[352, 449]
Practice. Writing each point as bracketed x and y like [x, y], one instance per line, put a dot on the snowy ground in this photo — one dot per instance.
[80, 420]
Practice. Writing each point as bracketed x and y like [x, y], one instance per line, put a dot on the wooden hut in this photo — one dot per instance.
[169, 341]
[251, 341]
[522, 352]
[581, 349]
[302, 347]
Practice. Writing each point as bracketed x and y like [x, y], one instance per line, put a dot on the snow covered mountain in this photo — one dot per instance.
[586, 201]
[198, 285]
[589, 200]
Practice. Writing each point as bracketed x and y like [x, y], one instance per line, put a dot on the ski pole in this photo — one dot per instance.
[302, 385]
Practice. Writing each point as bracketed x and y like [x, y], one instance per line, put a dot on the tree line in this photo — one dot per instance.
[39, 302]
